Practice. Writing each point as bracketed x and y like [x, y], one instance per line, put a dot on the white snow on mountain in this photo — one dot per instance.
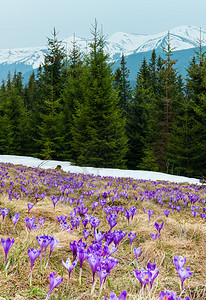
[181, 38]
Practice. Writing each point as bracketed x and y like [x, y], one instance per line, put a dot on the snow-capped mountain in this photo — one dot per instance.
[181, 38]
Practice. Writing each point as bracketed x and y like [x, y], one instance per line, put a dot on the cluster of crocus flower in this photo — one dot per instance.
[170, 295]
[98, 254]
[123, 296]
[147, 275]
[158, 234]
[44, 241]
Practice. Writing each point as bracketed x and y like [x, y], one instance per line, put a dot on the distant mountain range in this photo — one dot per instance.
[184, 40]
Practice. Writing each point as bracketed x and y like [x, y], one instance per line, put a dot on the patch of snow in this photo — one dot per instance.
[66, 166]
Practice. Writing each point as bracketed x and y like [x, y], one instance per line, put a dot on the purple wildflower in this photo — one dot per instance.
[69, 266]
[33, 255]
[7, 244]
[54, 282]
[29, 205]
[15, 218]
[113, 296]
[137, 252]
[150, 213]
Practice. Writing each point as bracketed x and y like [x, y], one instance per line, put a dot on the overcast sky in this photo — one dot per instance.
[28, 23]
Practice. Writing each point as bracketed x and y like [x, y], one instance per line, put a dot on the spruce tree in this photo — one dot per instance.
[141, 120]
[51, 79]
[72, 94]
[123, 85]
[196, 85]
[170, 92]
[98, 131]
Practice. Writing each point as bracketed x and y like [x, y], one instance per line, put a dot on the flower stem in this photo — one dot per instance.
[80, 276]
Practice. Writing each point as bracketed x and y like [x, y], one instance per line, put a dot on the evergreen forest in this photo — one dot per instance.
[79, 109]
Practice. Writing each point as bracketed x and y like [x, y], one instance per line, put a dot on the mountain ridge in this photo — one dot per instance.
[28, 59]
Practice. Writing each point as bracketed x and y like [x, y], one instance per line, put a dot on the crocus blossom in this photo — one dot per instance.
[33, 255]
[7, 244]
[113, 296]
[54, 282]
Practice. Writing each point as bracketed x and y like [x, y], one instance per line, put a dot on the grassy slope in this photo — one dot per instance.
[191, 243]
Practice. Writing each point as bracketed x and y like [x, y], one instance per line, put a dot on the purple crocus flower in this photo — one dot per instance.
[167, 295]
[118, 235]
[94, 222]
[183, 274]
[144, 277]
[41, 222]
[194, 213]
[94, 262]
[69, 266]
[150, 213]
[7, 244]
[84, 222]
[15, 218]
[179, 263]
[131, 237]
[99, 236]
[82, 255]
[54, 282]
[109, 263]
[127, 215]
[94, 205]
[154, 272]
[166, 212]
[137, 252]
[53, 244]
[158, 226]
[178, 208]
[29, 205]
[55, 200]
[33, 254]
[111, 218]
[4, 212]
[86, 233]
[102, 275]
[61, 219]
[113, 296]
[155, 236]
[30, 222]
[44, 241]
[133, 211]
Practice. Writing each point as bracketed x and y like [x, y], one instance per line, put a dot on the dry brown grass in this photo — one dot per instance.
[191, 243]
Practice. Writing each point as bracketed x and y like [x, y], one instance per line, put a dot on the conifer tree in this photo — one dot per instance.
[123, 85]
[99, 138]
[170, 92]
[72, 94]
[141, 120]
[51, 82]
[196, 84]
[13, 133]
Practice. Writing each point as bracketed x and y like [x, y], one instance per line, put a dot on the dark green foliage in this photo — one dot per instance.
[51, 80]
[72, 94]
[99, 138]
[13, 123]
[141, 119]
[123, 85]
[77, 109]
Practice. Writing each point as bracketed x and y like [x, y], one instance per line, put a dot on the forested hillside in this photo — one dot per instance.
[78, 109]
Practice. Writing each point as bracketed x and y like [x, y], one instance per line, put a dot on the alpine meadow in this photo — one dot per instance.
[80, 236]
